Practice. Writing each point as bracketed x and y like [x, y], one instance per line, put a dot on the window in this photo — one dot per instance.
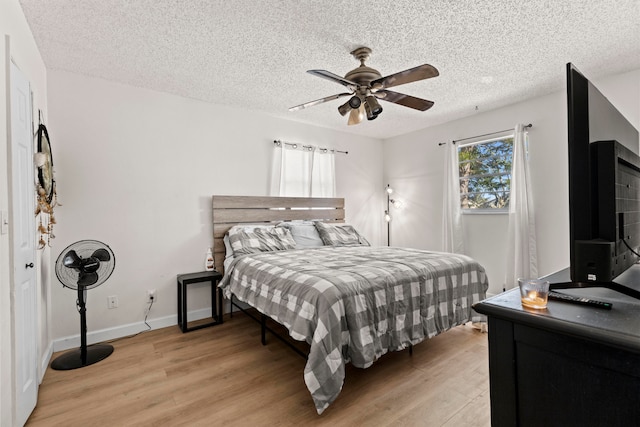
[485, 174]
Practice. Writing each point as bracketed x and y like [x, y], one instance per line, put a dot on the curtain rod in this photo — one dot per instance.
[486, 134]
[309, 147]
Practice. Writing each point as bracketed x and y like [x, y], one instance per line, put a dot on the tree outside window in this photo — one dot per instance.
[485, 174]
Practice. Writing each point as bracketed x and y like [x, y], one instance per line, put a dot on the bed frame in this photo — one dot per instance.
[238, 210]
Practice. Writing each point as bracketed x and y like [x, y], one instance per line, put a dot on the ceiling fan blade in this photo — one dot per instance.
[318, 101]
[72, 260]
[87, 279]
[334, 78]
[404, 100]
[420, 72]
[356, 116]
[102, 254]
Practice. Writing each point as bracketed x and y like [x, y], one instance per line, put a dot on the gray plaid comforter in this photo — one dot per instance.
[353, 304]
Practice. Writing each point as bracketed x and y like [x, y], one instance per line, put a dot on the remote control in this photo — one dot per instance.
[579, 300]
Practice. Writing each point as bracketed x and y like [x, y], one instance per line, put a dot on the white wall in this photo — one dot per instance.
[136, 169]
[414, 167]
[17, 44]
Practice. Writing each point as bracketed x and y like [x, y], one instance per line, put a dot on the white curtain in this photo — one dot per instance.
[452, 232]
[522, 255]
[302, 171]
[323, 173]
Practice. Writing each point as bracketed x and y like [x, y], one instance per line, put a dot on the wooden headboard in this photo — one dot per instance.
[236, 210]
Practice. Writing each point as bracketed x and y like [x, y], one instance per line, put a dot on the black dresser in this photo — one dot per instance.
[568, 365]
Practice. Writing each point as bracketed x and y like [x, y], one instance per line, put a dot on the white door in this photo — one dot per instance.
[23, 244]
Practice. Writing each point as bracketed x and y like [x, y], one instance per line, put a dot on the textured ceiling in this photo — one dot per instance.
[254, 53]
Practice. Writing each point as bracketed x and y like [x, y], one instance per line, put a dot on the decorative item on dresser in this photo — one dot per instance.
[349, 301]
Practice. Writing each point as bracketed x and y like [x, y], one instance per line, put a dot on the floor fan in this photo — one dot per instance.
[82, 266]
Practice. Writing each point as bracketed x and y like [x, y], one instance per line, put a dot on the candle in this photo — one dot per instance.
[533, 300]
[533, 293]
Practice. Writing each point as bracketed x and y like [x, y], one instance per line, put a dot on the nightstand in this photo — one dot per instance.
[185, 280]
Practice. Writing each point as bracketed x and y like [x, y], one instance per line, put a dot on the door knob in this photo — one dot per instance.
[30, 265]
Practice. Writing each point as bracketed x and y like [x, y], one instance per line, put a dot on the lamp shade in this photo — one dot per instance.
[356, 116]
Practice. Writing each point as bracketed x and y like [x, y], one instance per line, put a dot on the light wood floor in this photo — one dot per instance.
[223, 376]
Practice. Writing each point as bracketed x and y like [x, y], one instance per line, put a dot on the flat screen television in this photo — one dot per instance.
[604, 189]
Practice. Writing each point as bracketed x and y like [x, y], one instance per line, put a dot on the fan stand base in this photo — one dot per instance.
[72, 359]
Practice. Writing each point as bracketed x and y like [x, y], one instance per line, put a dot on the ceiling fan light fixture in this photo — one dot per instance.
[356, 116]
[354, 102]
[369, 111]
[373, 103]
[345, 108]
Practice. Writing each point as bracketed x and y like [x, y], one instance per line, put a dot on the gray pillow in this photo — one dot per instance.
[250, 227]
[245, 240]
[340, 235]
[304, 233]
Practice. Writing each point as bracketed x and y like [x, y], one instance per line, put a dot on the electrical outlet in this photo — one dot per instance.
[151, 295]
[112, 301]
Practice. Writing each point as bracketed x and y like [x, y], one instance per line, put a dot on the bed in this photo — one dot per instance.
[351, 302]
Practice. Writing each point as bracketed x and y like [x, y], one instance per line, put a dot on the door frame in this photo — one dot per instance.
[6, 259]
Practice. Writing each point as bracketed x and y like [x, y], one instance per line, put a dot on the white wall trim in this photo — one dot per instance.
[121, 331]
[44, 362]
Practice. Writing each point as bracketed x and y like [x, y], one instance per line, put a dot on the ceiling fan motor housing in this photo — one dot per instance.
[363, 75]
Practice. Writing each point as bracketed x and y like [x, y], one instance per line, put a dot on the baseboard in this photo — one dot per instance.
[93, 337]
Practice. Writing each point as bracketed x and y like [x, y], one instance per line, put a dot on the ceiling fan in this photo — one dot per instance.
[367, 85]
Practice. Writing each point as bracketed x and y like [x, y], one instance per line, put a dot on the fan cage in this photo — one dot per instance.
[85, 249]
